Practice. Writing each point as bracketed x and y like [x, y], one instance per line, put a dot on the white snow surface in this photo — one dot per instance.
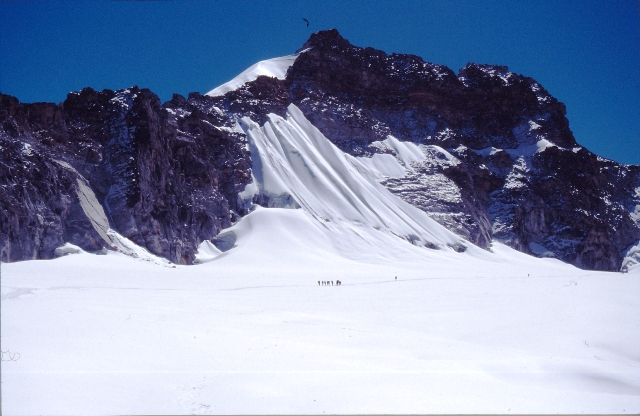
[407, 153]
[295, 165]
[275, 67]
[250, 330]
[526, 150]
[631, 259]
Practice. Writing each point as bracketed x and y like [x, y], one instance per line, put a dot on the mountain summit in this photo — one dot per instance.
[366, 142]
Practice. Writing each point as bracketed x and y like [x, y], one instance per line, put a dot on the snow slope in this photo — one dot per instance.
[251, 330]
[275, 67]
[296, 166]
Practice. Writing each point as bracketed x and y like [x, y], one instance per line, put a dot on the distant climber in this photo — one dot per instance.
[318, 282]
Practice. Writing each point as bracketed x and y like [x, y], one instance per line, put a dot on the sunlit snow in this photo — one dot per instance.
[295, 165]
[275, 67]
[415, 326]
[252, 331]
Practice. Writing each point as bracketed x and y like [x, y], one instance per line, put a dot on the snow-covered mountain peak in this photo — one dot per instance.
[487, 154]
[346, 213]
[275, 67]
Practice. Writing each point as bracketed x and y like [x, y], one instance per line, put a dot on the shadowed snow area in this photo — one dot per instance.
[275, 67]
[415, 327]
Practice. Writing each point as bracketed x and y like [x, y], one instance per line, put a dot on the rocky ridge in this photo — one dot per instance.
[167, 176]
[497, 140]
[500, 160]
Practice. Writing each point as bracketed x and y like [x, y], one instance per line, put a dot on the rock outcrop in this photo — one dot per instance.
[500, 160]
[167, 176]
[517, 174]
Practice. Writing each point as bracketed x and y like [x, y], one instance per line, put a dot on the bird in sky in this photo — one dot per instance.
[306, 21]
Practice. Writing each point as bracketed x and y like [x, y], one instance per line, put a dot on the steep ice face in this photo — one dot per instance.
[276, 67]
[295, 165]
[90, 205]
[96, 215]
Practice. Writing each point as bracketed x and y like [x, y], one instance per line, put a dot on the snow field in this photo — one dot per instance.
[249, 330]
[455, 333]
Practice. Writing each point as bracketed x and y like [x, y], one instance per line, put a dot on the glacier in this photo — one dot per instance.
[251, 330]
[415, 327]
[424, 321]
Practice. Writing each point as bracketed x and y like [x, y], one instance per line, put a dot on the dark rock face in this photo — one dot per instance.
[500, 160]
[255, 100]
[39, 206]
[365, 94]
[518, 175]
[168, 177]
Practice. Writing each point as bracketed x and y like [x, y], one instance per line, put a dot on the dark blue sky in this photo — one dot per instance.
[585, 52]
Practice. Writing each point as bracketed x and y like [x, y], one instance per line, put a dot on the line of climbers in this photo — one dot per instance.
[328, 283]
